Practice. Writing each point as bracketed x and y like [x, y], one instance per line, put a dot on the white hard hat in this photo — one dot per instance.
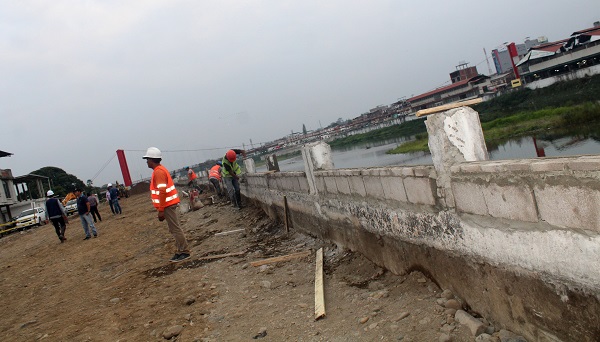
[153, 152]
[50, 193]
[109, 185]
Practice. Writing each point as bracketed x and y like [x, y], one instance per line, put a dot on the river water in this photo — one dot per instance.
[374, 154]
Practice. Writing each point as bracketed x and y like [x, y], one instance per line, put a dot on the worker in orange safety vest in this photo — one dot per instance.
[214, 177]
[166, 200]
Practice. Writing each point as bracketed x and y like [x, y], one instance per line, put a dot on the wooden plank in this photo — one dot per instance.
[448, 106]
[209, 257]
[285, 214]
[230, 232]
[280, 258]
[319, 292]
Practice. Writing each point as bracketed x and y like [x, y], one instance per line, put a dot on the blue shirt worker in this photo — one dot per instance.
[114, 198]
[83, 209]
[57, 214]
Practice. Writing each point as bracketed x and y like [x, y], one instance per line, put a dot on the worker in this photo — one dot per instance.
[165, 200]
[192, 178]
[57, 214]
[214, 177]
[231, 172]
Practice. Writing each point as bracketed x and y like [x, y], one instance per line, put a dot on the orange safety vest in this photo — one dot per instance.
[215, 172]
[155, 189]
[192, 175]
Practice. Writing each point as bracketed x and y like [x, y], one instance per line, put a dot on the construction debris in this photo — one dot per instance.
[230, 232]
[319, 292]
[280, 258]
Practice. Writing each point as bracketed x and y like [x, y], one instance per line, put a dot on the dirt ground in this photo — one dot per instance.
[121, 286]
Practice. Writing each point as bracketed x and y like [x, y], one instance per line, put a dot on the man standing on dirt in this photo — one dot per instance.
[83, 209]
[231, 172]
[114, 198]
[57, 214]
[94, 206]
[165, 200]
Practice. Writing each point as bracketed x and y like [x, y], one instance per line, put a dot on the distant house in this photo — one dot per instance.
[8, 195]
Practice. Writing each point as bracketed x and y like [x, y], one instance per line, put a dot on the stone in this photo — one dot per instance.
[422, 280]
[441, 301]
[402, 316]
[453, 304]
[445, 338]
[450, 312]
[509, 336]
[447, 294]
[394, 327]
[475, 326]
[376, 285]
[261, 333]
[484, 338]
[364, 320]
[189, 300]
[172, 332]
[373, 326]
[266, 284]
[115, 300]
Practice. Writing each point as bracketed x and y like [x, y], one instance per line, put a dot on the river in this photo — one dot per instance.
[374, 154]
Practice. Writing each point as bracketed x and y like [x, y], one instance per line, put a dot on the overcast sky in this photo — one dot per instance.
[81, 79]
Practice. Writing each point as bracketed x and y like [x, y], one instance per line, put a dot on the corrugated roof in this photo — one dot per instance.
[5, 154]
[585, 31]
[438, 90]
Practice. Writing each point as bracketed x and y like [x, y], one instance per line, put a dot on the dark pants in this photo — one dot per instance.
[215, 183]
[94, 211]
[233, 190]
[111, 206]
[117, 206]
[60, 226]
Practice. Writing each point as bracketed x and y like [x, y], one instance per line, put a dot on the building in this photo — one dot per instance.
[8, 195]
[570, 58]
[502, 58]
[467, 84]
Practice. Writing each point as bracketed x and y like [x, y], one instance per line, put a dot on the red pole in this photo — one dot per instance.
[512, 52]
[124, 167]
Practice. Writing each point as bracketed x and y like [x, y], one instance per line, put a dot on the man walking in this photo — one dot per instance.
[165, 200]
[114, 198]
[83, 209]
[57, 214]
[94, 207]
[214, 177]
[231, 172]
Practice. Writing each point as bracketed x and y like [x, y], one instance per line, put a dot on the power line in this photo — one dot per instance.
[103, 167]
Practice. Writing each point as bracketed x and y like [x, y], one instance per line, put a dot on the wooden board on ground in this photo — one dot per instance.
[319, 292]
[280, 258]
[448, 106]
[209, 257]
[230, 232]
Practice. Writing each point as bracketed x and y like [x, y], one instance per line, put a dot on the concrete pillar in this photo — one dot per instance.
[249, 165]
[316, 156]
[455, 136]
[272, 164]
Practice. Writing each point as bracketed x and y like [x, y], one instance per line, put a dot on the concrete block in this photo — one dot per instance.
[357, 186]
[569, 206]
[330, 185]
[320, 184]
[511, 202]
[375, 172]
[303, 183]
[271, 182]
[342, 185]
[492, 166]
[408, 172]
[522, 165]
[396, 171]
[423, 171]
[455, 169]
[393, 189]
[548, 165]
[420, 190]
[587, 164]
[373, 187]
[468, 198]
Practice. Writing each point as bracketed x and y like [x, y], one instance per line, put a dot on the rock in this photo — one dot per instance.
[189, 300]
[447, 328]
[441, 301]
[484, 338]
[373, 326]
[452, 304]
[450, 312]
[115, 300]
[303, 305]
[402, 316]
[364, 320]
[28, 323]
[376, 285]
[450, 319]
[424, 321]
[188, 317]
[509, 336]
[422, 280]
[172, 331]
[261, 333]
[447, 294]
[444, 338]
[490, 330]
[394, 327]
[265, 284]
[380, 294]
[244, 266]
[474, 325]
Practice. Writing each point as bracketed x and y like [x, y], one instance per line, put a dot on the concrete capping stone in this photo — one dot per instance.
[420, 190]
[455, 169]
[396, 172]
[569, 206]
[357, 186]
[511, 202]
[408, 172]
[468, 198]
[422, 171]
[271, 182]
[374, 172]
[374, 187]
[470, 167]
[393, 189]
[496, 166]
[343, 185]
[518, 166]
[320, 183]
[587, 164]
[548, 165]
[348, 173]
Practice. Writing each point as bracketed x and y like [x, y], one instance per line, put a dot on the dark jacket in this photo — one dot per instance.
[82, 205]
[54, 208]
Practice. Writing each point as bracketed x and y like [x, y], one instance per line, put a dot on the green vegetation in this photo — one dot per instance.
[565, 105]
[61, 182]
[405, 129]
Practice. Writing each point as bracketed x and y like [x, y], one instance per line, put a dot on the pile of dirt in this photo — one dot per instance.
[121, 287]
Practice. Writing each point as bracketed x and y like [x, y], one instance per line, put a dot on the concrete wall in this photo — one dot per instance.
[518, 241]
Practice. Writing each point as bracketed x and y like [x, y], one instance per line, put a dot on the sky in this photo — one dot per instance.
[81, 79]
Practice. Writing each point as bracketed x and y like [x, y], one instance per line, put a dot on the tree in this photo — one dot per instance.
[62, 183]
[303, 129]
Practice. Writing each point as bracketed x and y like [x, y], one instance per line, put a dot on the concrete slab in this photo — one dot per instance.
[374, 187]
[393, 189]
[468, 198]
[420, 190]
[569, 207]
[511, 202]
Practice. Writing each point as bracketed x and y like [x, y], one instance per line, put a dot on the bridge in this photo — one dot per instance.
[517, 240]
